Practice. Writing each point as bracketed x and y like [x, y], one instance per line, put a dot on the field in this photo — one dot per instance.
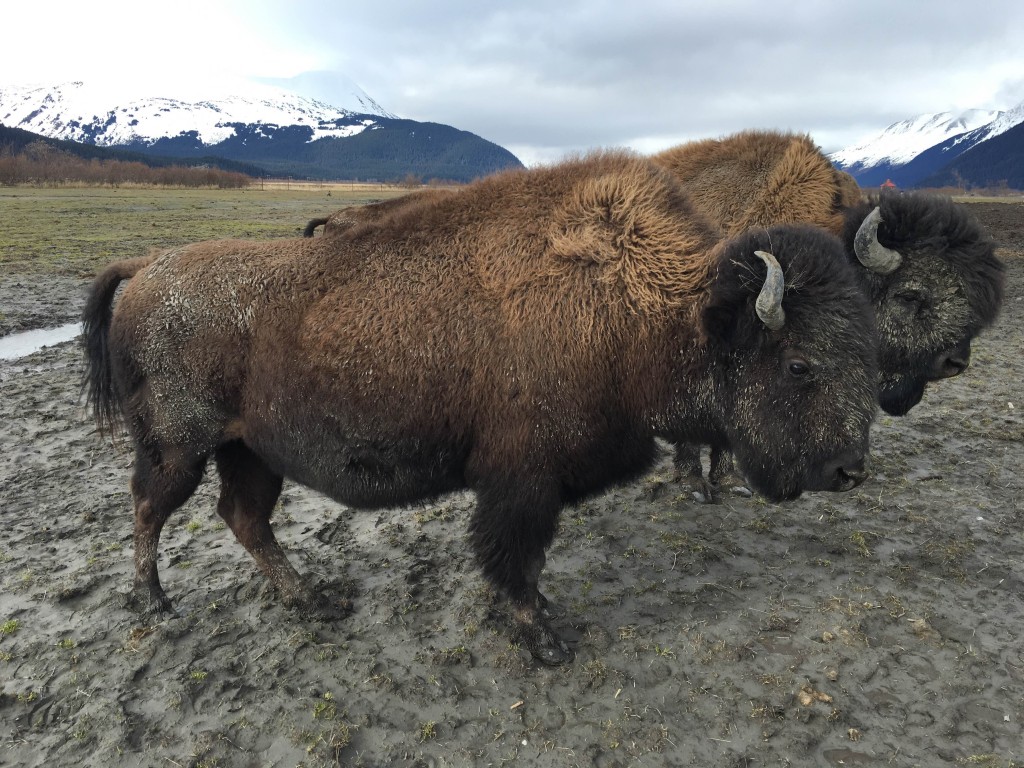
[68, 233]
[876, 628]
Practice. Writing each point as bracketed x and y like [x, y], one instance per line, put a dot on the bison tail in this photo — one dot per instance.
[98, 384]
[311, 227]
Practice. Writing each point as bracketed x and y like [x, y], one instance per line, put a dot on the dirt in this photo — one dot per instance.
[875, 628]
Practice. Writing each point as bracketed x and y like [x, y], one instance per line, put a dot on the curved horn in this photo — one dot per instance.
[871, 253]
[769, 300]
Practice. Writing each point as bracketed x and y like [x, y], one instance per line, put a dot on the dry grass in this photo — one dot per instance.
[76, 230]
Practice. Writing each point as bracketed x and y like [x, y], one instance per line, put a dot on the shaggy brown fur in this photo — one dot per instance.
[752, 178]
[523, 337]
[760, 178]
[341, 220]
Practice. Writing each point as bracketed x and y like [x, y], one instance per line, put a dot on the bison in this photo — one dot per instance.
[526, 337]
[926, 265]
[341, 220]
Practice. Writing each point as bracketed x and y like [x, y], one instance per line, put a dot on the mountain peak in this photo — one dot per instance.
[912, 150]
[96, 114]
[901, 142]
[270, 129]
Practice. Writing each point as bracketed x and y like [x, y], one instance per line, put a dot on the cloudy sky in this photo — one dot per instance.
[543, 77]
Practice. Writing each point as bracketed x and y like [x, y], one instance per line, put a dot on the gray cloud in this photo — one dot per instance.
[546, 78]
[549, 78]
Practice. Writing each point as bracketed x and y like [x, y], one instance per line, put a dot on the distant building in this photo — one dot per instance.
[887, 185]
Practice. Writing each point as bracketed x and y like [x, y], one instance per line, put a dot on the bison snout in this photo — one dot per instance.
[951, 366]
[844, 472]
[953, 362]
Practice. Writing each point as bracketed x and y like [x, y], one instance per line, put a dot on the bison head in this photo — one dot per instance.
[797, 386]
[934, 283]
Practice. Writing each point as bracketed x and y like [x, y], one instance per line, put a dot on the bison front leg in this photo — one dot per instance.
[690, 473]
[159, 487]
[510, 530]
[723, 473]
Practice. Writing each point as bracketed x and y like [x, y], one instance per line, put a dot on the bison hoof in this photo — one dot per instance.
[149, 602]
[529, 627]
[734, 484]
[545, 645]
[325, 606]
[699, 488]
[704, 493]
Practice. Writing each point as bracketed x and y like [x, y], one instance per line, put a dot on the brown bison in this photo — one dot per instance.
[525, 338]
[929, 270]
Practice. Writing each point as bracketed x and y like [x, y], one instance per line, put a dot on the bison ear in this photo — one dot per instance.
[718, 324]
[729, 320]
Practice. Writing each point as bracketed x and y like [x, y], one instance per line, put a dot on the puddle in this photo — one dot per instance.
[25, 343]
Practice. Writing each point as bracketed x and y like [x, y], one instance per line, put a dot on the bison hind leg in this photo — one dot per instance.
[160, 484]
[248, 493]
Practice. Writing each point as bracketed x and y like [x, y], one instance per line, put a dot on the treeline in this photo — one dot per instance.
[43, 164]
[995, 166]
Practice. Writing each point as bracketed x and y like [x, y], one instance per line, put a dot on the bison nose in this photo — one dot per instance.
[953, 362]
[846, 472]
[952, 366]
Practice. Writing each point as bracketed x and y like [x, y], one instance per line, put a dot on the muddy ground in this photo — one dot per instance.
[880, 627]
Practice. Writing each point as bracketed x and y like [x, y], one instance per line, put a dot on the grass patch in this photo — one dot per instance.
[78, 230]
[428, 731]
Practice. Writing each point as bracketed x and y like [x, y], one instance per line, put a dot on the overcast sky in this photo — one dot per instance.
[547, 77]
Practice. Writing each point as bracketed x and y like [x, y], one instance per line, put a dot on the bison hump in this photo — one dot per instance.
[632, 233]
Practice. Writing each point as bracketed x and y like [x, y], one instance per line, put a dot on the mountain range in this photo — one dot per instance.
[270, 131]
[281, 133]
[975, 148]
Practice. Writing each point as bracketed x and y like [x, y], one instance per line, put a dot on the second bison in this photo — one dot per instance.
[927, 267]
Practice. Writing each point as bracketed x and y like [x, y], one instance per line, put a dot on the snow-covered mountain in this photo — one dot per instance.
[913, 149]
[902, 142]
[86, 113]
[261, 125]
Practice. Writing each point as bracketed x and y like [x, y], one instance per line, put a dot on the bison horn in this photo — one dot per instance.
[769, 300]
[871, 253]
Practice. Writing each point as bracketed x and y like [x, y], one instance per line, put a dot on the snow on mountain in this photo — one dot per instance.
[1004, 122]
[332, 88]
[86, 113]
[902, 142]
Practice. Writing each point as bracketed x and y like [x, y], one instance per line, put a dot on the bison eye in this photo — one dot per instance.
[798, 368]
[911, 298]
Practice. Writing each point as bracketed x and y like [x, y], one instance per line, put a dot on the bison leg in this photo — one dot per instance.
[248, 492]
[690, 473]
[159, 486]
[723, 473]
[510, 531]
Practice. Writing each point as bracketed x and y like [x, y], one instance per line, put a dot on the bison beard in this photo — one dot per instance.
[525, 337]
